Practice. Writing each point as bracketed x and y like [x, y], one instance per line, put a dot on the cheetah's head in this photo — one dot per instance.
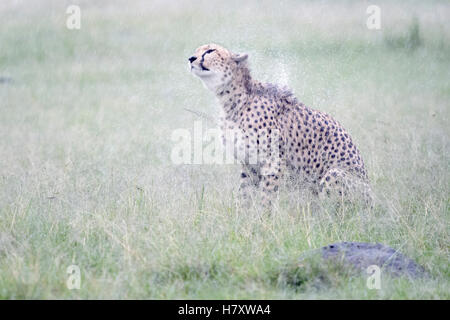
[215, 65]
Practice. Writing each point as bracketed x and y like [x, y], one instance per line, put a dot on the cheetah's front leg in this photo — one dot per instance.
[250, 179]
[270, 182]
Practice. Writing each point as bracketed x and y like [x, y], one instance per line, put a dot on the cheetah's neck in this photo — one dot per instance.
[235, 95]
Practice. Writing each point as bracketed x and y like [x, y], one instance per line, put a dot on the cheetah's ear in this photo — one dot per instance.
[240, 57]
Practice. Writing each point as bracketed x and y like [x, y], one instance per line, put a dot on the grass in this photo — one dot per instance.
[85, 127]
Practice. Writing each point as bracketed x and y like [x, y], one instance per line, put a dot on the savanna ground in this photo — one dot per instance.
[86, 118]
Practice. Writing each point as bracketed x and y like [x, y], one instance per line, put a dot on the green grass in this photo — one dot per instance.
[85, 127]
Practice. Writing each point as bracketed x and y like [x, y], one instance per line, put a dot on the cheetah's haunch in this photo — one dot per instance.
[310, 145]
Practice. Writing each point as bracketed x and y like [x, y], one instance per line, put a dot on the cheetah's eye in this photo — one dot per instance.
[209, 51]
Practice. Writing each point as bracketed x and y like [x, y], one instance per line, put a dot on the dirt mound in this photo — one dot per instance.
[361, 255]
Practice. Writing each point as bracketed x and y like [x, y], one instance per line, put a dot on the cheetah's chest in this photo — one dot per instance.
[236, 143]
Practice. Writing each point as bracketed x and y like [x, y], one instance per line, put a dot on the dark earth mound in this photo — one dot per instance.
[361, 255]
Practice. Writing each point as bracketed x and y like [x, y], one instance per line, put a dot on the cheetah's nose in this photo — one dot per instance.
[192, 59]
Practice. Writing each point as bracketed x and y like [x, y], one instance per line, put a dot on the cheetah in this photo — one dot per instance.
[281, 135]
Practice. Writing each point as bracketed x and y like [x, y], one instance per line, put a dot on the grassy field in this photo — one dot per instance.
[86, 118]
